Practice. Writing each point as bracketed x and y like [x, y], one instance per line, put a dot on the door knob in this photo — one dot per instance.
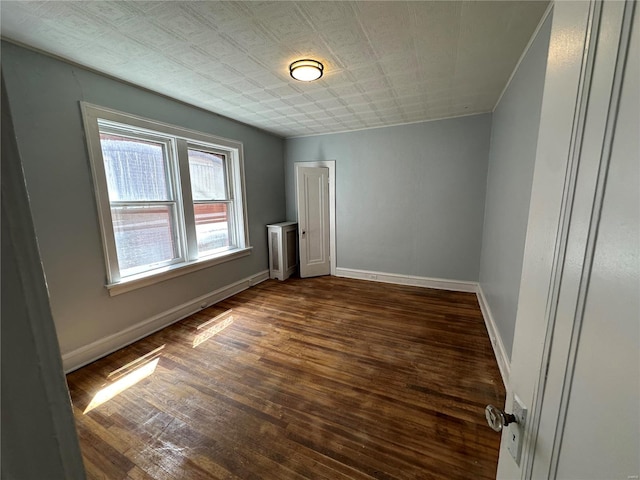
[498, 419]
[303, 232]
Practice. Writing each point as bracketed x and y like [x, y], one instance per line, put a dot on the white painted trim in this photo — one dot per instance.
[606, 47]
[176, 140]
[160, 275]
[524, 54]
[331, 165]
[87, 354]
[401, 124]
[504, 364]
[156, 127]
[427, 282]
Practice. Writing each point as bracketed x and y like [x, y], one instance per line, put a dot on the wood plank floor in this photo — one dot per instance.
[323, 378]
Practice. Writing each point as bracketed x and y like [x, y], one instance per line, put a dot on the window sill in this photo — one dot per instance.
[160, 275]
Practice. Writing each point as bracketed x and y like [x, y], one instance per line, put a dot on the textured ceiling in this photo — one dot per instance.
[386, 63]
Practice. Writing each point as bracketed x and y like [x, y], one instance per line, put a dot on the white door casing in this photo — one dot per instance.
[593, 361]
[313, 220]
[585, 67]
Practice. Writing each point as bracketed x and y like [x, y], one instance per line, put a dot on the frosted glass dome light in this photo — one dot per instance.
[306, 70]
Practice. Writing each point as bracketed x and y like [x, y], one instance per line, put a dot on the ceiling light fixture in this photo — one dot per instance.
[306, 70]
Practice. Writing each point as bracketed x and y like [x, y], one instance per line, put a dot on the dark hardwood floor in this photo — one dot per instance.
[323, 378]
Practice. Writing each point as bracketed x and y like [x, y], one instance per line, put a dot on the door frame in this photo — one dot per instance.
[606, 43]
[331, 165]
[571, 198]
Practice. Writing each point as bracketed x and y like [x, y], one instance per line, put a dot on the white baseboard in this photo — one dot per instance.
[427, 282]
[496, 339]
[87, 354]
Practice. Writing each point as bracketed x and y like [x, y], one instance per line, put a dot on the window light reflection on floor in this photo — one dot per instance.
[212, 327]
[147, 357]
[126, 377]
[124, 382]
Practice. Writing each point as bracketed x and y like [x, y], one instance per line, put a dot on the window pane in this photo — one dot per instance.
[144, 236]
[208, 177]
[135, 169]
[212, 227]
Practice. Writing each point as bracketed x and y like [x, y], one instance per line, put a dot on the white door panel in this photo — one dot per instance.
[313, 220]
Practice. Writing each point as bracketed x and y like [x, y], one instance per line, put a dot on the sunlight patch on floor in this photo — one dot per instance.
[212, 327]
[119, 386]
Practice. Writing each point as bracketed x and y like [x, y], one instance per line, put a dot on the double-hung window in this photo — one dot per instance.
[170, 200]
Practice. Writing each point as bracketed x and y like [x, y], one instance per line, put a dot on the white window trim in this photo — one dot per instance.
[161, 274]
[184, 138]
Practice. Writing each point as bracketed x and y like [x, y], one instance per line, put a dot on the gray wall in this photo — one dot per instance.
[409, 199]
[43, 94]
[514, 135]
[37, 421]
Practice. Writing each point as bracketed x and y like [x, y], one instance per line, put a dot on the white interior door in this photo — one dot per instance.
[312, 184]
[575, 351]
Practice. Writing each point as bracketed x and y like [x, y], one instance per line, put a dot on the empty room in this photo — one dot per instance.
[320, 240]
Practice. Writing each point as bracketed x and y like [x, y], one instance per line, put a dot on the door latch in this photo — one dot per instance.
[498, 419]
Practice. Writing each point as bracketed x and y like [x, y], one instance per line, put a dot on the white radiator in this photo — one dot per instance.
[283, 251]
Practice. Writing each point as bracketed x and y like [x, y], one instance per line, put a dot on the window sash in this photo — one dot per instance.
[171, 175]
[174, 232]
[227, 187]
[231, 229]
[167, 155]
